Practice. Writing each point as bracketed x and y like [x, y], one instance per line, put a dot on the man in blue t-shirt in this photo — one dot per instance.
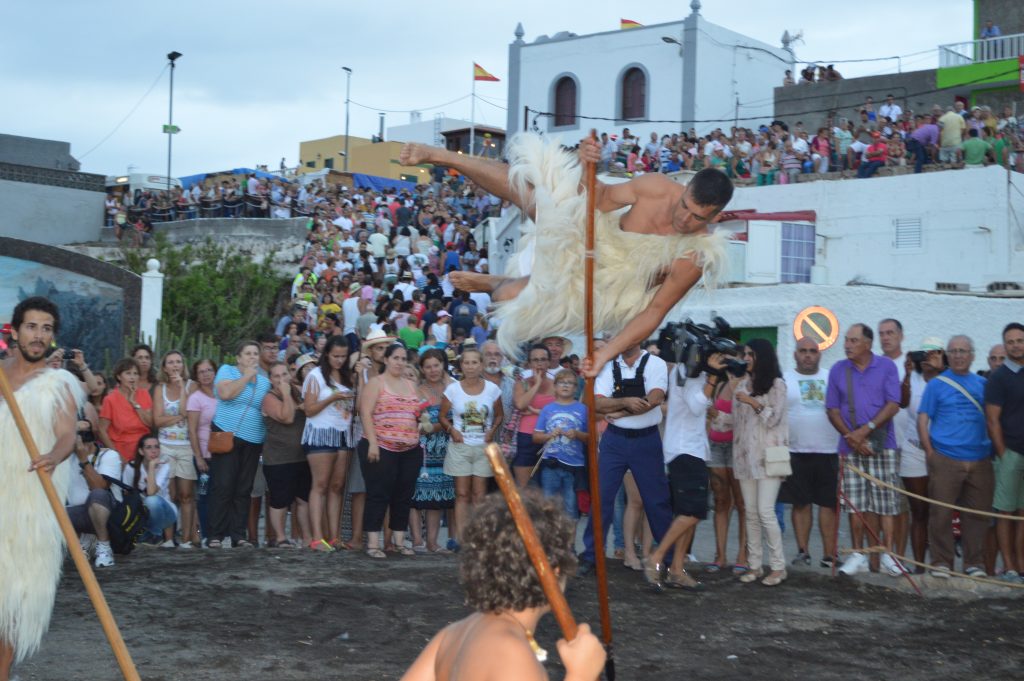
[951, 426]
[562, 426]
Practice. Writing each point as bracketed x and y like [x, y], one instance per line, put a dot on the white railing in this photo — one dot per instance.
[982, 50]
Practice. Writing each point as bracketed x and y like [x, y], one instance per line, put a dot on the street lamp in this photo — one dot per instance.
[348, 90]
[171, 57]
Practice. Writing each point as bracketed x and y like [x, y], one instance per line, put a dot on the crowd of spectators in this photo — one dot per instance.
[873, 137]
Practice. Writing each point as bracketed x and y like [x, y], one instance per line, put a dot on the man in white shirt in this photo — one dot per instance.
[812, 446]
[344, 221]
[379, 243]
[406, 285]
[629, 393]
[90, 497]
[890, 109]
[350, 310]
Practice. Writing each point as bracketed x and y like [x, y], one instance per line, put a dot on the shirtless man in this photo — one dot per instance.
[657, 205]
[496, 643]
[31, 549]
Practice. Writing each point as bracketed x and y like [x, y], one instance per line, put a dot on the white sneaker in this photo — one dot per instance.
[104, 556]
[87, 542]
[939, 571]
[891, 566]
[185, 545]
[856, 562]
[169, 544]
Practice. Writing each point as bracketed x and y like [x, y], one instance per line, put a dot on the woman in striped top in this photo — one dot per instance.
[390, 453]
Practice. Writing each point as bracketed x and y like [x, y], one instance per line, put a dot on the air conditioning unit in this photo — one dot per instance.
[999, 286]
[950, 286]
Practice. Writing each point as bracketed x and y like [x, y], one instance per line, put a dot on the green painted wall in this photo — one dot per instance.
[976, 74]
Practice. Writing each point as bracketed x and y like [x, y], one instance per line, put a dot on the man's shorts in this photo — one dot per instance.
[688, 481]
[1009, 494]
[814, 480]
[948, 154]
[866, 496]
[463, 460]
[287, 482]
[721, 455]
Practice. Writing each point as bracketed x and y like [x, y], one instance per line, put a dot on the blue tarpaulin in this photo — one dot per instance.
[378, 184]
[190, 180]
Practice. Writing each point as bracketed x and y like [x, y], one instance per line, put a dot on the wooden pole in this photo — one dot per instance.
[124, 659]
[600, 566]
[539, 558]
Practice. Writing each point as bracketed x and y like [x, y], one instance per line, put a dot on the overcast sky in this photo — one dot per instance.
[258, 77]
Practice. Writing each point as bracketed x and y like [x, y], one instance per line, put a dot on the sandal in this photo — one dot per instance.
[652, 573]
[286, 544]
[403, 550]
[634, 564]
[321, 546]
[682, 581]
[740, 569]
[376, 553]
[213, 544]
[713, 567]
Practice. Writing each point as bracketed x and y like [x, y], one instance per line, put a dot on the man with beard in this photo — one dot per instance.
[31, 545]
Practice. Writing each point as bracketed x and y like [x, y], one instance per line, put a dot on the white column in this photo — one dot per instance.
[151, 308]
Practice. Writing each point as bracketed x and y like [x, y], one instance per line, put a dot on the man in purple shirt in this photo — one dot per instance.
[922, 140]
[862, 398]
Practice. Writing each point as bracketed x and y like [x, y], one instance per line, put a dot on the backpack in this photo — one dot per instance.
[127, 519]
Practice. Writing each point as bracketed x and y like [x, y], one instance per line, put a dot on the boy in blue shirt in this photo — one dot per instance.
[562, 426]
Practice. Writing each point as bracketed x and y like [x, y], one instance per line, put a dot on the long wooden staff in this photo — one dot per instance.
[124, 659]
[601, 568]
[548, 580]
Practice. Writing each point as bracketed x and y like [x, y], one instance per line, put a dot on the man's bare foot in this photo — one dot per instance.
[474, 281]
[414, 154]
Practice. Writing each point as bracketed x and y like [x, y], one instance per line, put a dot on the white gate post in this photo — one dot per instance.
[151, 309]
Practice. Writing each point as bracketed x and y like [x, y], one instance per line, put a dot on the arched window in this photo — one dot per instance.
[634, 94]
[565, 102]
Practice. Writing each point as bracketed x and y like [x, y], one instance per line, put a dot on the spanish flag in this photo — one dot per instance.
[480, 74]
[629, 23]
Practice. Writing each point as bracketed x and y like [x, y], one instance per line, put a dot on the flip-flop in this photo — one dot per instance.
[713, 567]
[376, 554]
[740, 569]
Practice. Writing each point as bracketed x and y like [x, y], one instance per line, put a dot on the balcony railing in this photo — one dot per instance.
[983, 50]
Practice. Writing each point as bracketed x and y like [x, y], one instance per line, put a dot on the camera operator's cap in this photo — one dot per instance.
[932, 343]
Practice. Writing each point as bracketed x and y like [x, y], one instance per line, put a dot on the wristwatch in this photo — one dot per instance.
[872, 426]
[83, 464]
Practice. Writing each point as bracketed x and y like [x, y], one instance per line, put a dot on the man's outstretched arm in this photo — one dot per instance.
[683, 276]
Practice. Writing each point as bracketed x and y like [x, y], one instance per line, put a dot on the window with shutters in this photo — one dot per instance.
[797, 252]
[907, 234]
[565, 101]
[634, 94]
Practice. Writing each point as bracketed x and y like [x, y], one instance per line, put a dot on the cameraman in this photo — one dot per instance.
[629, 392]
[686, 454]
[90, 498]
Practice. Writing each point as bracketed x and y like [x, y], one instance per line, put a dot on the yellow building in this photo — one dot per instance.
[365, 156]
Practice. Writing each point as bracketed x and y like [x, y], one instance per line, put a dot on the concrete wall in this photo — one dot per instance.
[184, 231]
[922, 314]
[968, 235]
[30, 151]
[48, 214]
[811, 102]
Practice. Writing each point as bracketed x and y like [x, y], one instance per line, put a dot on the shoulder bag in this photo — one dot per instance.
[223, 441]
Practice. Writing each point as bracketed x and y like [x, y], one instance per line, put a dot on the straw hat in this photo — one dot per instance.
[566, 343]
[376, 337]
[303, 360]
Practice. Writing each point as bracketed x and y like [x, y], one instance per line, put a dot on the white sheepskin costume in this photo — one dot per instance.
[551, 251]
[31, 543]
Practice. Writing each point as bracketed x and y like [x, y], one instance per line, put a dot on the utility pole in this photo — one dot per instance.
[348, 91]
[172, 57]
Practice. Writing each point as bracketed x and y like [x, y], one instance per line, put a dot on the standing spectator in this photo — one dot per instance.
[435, 489]
[790, 163]
[952, 130]
[812, 445]
[149, 473]
[390, 453]
[531, 396]
[143, 356]
[127, 411]
[284, 462]
[563, 423]
[759, 422]
[951, 425]
[863, 396]
[329, 403]
[170, 417]
[724, 486]
[351, 308]
[200, 408]
[240, 391]
[890, 109]
[471, 412]
[1004, 408]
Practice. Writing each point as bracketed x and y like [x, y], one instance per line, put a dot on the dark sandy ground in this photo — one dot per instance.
[272, 614]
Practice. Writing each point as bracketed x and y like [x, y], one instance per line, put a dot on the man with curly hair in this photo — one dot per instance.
[496, 642]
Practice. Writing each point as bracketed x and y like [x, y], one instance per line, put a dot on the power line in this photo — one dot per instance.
[129, 114]
[422, 108]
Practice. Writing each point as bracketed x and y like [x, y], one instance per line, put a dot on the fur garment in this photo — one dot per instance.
[627, 265]
[31, 543]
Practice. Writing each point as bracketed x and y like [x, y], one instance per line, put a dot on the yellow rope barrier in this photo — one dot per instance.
[882, 483]
[951, 573]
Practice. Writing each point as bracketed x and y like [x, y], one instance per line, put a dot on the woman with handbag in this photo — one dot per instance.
[236, 440]
[760, 439]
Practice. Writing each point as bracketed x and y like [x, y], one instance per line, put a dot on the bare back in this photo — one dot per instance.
[477, 648]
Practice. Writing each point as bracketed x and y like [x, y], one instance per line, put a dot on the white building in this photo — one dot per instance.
[691, 72]
[450, 133]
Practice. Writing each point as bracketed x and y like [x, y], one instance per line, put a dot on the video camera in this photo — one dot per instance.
[691, 345]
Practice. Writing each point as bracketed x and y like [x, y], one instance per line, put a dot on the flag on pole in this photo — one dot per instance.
[629, 23]
[479, 73]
